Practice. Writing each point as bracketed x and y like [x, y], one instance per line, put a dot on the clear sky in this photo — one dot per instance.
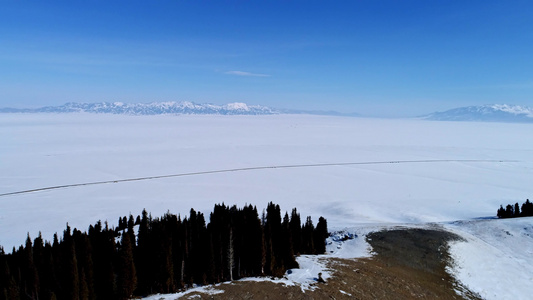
[381, 58]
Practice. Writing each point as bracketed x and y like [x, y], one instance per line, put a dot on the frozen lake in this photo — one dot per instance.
[41, 150]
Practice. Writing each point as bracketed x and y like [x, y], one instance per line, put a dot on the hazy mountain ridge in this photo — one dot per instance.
[177, 108]
[482, 113]
[485, 113]
[154, 108]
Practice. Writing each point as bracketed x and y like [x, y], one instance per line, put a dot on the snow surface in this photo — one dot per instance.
[495, 261]
[443, 172]
[514, 109]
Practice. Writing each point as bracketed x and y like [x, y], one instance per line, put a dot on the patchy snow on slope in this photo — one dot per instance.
[346, 243]
[282, 280]
[345, 293]
[350, 242]
[207, 289]
[306, 275]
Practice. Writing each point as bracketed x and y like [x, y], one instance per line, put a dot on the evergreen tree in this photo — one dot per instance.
[210, 260]
[131, 223]
[84, 288]
[85, 264]
[501, 212]
[171, 254]
[143, 256]
[127, 276]
[274, 240]
[48, 272]
[296, 231]
[9, 288]
[252, 242]
[104, 252]
[527, 209]
[71, 273]
[231, 253]
[287, 255]
[320, 235]
[516, 212]
[509, 211]
[308, 241]
[31, 279]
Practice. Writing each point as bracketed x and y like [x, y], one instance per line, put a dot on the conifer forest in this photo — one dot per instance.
[146, 255]
[514, 211]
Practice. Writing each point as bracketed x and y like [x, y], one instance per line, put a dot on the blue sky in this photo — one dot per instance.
[380, 58]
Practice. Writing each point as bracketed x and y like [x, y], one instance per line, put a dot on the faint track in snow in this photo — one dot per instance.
[252, 169]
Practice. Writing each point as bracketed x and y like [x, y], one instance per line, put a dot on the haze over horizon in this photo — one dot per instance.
[386, 58]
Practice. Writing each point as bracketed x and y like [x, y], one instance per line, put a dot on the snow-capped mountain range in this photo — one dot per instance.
[485, 113]
[154, 108]
[482, 113]
[175, 108]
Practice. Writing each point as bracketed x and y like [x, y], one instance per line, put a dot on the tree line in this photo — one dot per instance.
[514, 211]
[146, 255]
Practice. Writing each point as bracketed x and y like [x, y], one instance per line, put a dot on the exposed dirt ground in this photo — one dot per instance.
[408, 264]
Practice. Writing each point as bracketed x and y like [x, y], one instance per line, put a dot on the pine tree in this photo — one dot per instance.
[104, 252]
[71, 274]
[509, 211]
[251, 244]
[320, 235]
[131, 223]
[210, 260]
[289, 261]
[127, 276]
[308, 244]
[295, 225]
[85, 264]
[516, 212]
[274, 240]
[31, 285]
[9, 288]
[84, 288]
[143, 256]
[501, 212]
[527, 209]
[231, 253]
[48, 273]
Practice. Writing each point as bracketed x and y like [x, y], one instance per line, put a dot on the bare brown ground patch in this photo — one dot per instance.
[408, 264]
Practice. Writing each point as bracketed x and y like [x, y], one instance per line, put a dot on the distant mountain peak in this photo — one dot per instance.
[513, 109]
[485, 113]
[237, 106]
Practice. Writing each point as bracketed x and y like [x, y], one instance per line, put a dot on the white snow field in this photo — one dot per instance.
[425, 171]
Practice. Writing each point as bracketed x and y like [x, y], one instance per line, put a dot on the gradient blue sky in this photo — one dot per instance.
[380, 58]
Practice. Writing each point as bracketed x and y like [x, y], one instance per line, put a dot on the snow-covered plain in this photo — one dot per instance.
[479, 167]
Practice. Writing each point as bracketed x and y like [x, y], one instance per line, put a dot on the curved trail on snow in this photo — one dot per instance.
[252, 169]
